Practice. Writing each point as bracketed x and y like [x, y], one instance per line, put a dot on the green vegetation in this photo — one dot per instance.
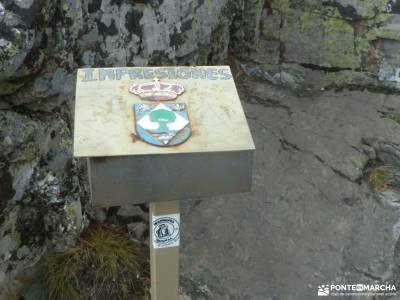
[7, 88]
[382, 178]
[10, 225]
[338, 79]
[104, 261]
[392, 116]
[395, 117]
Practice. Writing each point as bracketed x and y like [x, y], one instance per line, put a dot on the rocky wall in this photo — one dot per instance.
[317, 44]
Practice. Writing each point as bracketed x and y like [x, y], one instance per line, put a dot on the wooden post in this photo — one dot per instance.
[164, 250]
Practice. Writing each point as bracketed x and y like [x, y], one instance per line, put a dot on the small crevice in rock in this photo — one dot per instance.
[268, 102]
[286, 145]
[367, 274]
[336, 171]
[6, 189]
[326, 69]
[386, 90]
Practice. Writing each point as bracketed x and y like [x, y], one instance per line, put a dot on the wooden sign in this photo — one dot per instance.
[141, 147]
[122, 124]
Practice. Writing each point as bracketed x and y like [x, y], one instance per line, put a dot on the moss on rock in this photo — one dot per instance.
[314, 39]
[7, 87]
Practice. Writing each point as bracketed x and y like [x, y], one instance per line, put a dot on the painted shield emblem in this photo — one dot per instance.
[156, 90]
[162, 124]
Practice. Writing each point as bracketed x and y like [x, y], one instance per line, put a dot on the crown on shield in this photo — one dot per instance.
[156, 90]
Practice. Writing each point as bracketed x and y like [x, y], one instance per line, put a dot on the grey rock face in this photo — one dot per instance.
[316, 36]
[100, 215]
[324, 37]
[390, 65]
[138, 229]
[311, 217]
[20, 54]
[132, 211]
[16, 131]
[49, 214]
[354, 9]
[140, 34]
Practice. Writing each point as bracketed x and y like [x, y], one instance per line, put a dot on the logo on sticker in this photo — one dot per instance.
[166, 231]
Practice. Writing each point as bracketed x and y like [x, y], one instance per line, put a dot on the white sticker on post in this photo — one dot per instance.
[166, 231]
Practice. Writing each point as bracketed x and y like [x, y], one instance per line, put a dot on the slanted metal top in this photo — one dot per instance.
[104, 114]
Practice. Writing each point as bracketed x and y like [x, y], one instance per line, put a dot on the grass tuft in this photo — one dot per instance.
[61, 275]
[395, 117]
[105, 262]
[382, 178]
